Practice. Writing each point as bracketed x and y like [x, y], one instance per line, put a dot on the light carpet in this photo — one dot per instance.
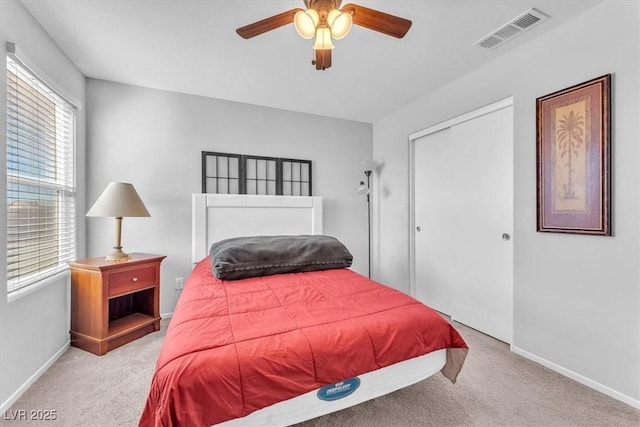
[495, 388]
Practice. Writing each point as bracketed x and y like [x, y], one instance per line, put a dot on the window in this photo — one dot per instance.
[40, 179]
[225, 173]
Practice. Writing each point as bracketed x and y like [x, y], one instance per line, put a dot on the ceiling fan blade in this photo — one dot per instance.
[378, 21]
[267, 24]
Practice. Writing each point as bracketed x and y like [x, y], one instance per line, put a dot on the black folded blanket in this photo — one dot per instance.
[243, 257]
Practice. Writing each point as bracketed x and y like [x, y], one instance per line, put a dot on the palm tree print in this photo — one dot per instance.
[570, 136]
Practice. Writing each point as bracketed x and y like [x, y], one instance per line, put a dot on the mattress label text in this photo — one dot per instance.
[339, 390]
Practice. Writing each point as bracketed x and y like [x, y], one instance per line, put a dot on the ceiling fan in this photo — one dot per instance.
[324, 20]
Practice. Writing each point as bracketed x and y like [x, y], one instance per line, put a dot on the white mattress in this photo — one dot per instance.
[372, 385]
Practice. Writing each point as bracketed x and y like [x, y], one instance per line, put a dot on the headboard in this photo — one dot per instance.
[221, 216]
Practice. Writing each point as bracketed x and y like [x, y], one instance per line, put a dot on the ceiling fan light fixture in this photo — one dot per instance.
[305, 22]
[325, 22]
[323, 39]
[340, 23]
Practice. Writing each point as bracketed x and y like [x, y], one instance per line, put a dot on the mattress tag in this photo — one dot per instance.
[339, 390]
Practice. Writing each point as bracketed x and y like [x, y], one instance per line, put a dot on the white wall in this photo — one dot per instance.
[34, 328]
[154, 139]
[576, 298]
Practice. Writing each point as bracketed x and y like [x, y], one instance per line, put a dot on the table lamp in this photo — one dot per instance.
[118, 200]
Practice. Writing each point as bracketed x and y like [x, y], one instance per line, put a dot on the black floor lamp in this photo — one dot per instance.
[368, 167]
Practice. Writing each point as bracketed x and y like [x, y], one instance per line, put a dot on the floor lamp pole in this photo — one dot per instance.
[368, 173]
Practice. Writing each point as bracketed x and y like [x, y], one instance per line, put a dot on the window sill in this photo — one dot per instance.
[20, 293]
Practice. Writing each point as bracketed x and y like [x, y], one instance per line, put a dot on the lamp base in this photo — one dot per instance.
[117, 255]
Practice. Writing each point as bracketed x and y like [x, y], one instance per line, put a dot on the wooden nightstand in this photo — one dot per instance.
[113, 303]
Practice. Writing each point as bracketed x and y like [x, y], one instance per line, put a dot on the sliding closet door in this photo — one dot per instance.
[464, 218]
[436, 260]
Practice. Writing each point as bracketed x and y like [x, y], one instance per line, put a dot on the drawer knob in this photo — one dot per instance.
[135, 279]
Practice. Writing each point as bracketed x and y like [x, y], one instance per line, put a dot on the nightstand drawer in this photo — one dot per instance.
[131, 280]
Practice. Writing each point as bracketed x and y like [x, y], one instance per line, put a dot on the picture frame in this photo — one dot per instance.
[573, 141]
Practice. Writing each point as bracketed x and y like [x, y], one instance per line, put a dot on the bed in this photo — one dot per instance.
[280, 347]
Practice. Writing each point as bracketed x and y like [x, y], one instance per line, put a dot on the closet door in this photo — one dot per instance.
[436, 257]
[464, 218]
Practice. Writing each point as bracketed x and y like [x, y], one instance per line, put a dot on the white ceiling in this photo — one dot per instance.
[190, 46]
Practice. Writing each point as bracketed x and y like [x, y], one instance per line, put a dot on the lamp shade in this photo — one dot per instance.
[340, 23]
[362, 189]
[305, 22]
[323, 39]
[369, 165]
[119, 199]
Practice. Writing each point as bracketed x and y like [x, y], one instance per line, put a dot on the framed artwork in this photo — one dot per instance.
[225, 173]
[573, 159]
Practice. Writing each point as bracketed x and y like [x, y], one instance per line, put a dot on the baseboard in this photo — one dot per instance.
[635, 403]
[166, 315]
[15, 396]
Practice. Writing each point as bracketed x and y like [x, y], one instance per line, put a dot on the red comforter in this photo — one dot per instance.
[233, 347]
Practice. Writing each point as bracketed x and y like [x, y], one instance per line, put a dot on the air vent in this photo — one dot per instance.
[490, 42]
[511, 29]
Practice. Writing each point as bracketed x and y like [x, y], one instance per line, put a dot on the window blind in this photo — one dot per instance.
[40, 179]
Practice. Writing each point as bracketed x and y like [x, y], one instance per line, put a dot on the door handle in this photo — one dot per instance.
[506, 237]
